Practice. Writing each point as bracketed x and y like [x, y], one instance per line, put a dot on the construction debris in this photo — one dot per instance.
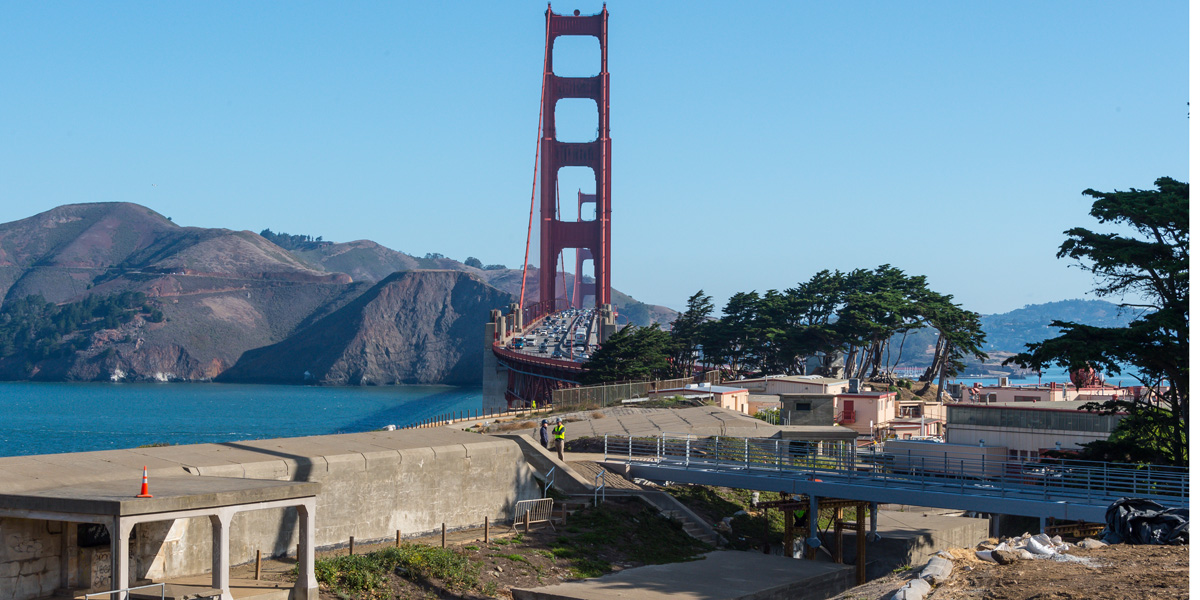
[1141, 521]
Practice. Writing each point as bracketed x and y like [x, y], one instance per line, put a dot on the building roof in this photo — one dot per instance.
[715, 389]
[815, 379]
[765, 398]
[875, 395]
[812, 433]
[1063, 405]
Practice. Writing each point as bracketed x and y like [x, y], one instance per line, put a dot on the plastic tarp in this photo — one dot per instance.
[1141, 521]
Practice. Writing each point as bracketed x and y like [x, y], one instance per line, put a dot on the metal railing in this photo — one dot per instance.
[961, 472]
[598, 494]
[124, 592]
[549, 480]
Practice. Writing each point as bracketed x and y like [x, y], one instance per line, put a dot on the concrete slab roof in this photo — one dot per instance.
[284, 458]
[1071, 405]
[697, 420]
[810, 379]
[817, 432]
[119, 498]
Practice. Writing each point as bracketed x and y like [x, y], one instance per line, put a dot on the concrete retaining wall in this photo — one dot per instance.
[911, 538]
[372, 485]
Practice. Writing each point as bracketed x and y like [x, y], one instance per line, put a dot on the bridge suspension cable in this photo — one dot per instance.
[536, 155]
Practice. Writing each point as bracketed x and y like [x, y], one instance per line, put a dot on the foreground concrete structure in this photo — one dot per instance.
[720, 575]
[366, 485]
[108, 503]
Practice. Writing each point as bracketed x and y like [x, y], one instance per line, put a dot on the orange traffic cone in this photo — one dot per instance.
[145, 485]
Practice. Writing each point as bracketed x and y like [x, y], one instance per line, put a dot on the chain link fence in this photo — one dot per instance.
[601, 396]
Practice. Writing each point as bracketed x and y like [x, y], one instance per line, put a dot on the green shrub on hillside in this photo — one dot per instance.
[41, 329]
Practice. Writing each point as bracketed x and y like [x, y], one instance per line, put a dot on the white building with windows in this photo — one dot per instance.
[1027, 428]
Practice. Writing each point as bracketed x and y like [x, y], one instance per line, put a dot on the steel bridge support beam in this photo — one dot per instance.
[814, 527]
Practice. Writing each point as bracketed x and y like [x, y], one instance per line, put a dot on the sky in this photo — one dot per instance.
[754, 144]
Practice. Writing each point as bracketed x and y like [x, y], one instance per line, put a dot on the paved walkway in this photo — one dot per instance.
[697, 420]
[742, 575]
[588, 470]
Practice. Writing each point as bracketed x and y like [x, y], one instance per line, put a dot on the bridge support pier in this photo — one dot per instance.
[874, 521]
[1041, 524]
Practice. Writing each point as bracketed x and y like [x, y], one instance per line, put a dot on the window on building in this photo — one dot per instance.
[803, 406]
[1025, 398]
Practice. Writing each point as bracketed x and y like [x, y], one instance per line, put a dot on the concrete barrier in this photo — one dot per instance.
[541, 459]
[372, 484]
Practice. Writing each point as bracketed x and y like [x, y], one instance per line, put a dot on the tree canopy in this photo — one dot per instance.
[857, 316]
[1147, 264]
[632, 353]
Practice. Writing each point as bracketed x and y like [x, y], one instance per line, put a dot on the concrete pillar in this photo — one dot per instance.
[518, 317]
[220, 552]
[306, 580]
[118, 535]
[1041, 524]
[874, 521]
[69, 557]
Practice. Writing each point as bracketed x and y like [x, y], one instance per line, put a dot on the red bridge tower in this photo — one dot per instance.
[591, 239]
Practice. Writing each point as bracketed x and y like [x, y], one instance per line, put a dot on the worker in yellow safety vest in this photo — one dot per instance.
[560, 437]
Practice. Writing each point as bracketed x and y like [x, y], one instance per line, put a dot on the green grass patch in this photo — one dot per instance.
[366, 575]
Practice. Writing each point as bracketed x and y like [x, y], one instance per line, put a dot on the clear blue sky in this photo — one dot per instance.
[753, 143]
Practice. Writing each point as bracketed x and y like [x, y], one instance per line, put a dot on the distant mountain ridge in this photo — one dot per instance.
[1010, 331]
[1007, 333]
[224, 304]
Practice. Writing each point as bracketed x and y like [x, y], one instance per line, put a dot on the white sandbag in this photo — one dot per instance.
[937, 570]
[1037, 547]
[984, 555]
[913, 590]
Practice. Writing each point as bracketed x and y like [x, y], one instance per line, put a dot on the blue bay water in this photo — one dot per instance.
[48, 418]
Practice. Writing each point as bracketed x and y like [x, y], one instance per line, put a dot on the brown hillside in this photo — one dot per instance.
[413, 327]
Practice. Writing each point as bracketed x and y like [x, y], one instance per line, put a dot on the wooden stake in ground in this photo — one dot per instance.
[351, 545]
[443, 535]
[526, 521]
[485, 530]
[397, 538]
[838, 525]
[257, 565]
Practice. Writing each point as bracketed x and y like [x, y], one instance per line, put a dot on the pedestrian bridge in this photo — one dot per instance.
[940, 477]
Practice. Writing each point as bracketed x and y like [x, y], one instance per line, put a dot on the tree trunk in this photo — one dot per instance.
[929, 374]
[899, 352]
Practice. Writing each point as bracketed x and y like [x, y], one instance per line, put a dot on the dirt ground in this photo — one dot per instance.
[1119, 572]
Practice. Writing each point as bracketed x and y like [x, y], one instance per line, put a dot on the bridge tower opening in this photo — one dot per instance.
[590, 239]
[581, 288]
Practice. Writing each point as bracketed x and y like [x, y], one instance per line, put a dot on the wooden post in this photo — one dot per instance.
[397, 538]
[351, 545]
[861, 515]
[838, 525]
[257, 565]
[443, 535]
[526, 521]
[485, 530]
[766, 531]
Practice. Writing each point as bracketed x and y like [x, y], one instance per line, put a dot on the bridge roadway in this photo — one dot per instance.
[1067, 490]
[548, 357]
